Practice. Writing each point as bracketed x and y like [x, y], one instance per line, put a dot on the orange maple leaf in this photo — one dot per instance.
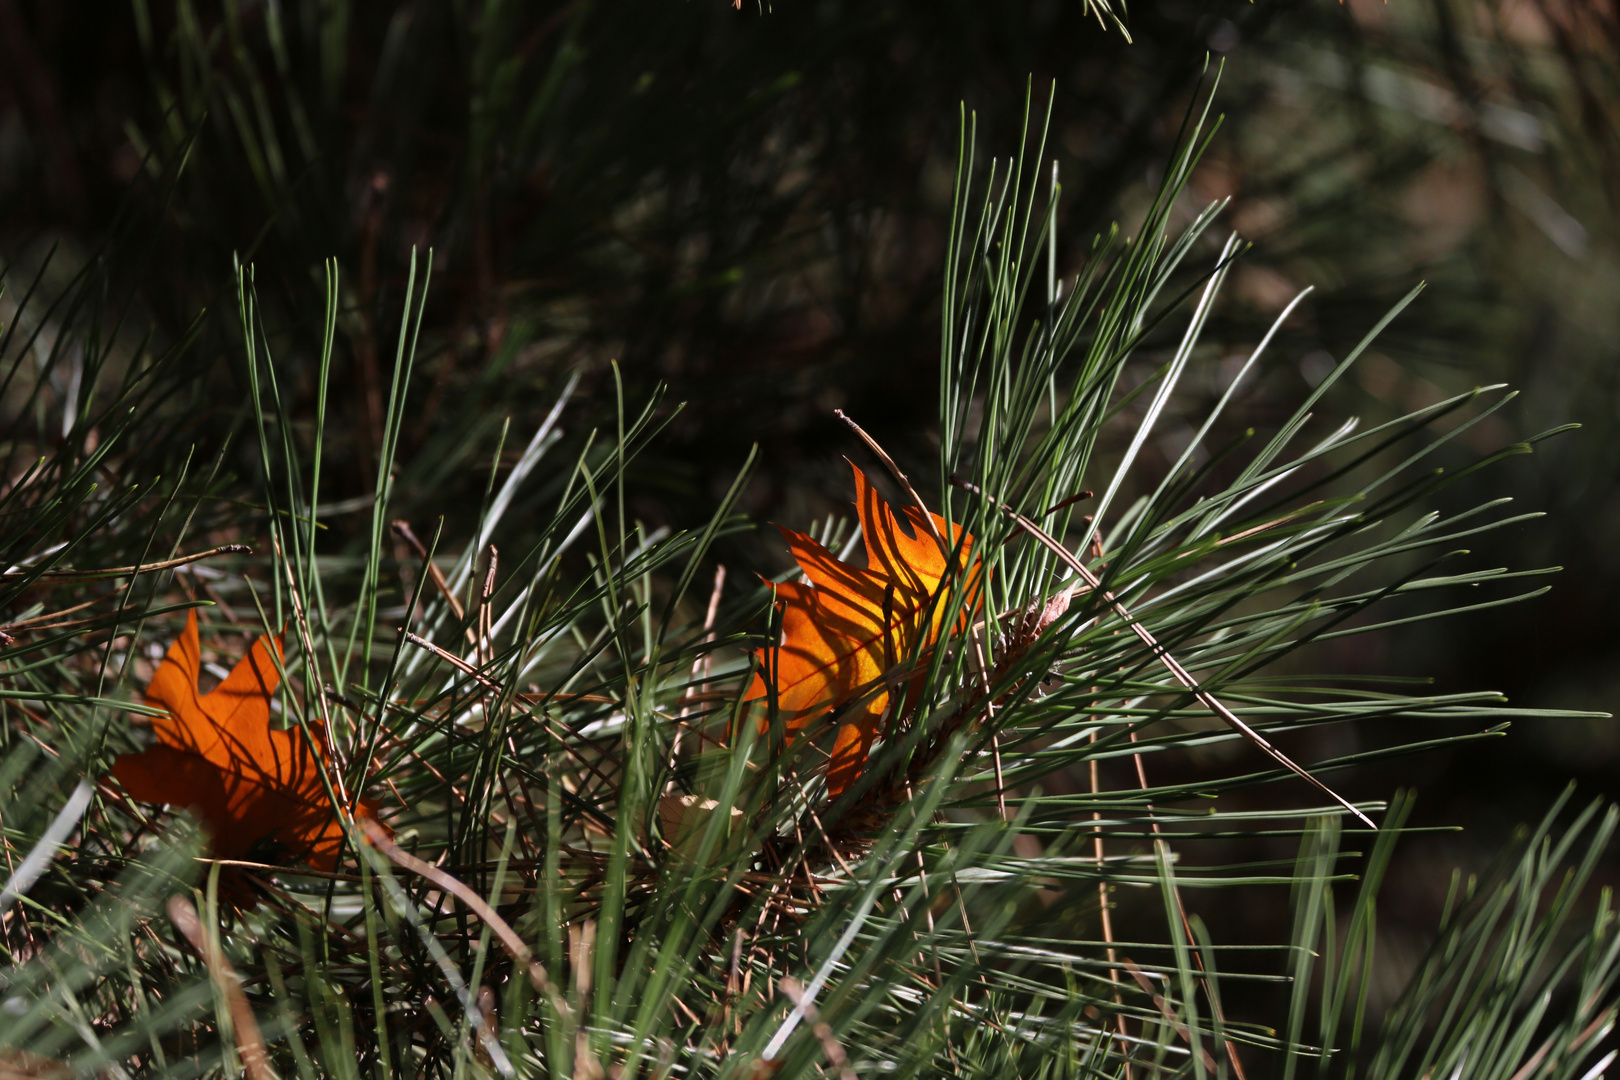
[258, 790]
[845, 631]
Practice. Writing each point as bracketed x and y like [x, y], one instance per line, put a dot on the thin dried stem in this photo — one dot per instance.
[1181, 674]
[894, 470]
[63, 577]
[249, 1040]
[509, 939]
[402, 529]
[829, 1043]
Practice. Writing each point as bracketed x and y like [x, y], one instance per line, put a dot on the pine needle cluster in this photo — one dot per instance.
[603, 859]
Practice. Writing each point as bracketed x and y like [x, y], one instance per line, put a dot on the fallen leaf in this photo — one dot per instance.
[845, 631]
[684, 818]
[258, 790]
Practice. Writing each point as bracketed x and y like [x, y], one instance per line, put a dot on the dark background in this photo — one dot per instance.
[750, 206]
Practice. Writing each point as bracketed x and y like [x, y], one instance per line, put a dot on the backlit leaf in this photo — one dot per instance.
[848, 631]
[259, 790]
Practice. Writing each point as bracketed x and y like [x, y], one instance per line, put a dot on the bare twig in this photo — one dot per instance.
[59, 577]
[1102, 883]
[486, 620]
[453, 660]
[894, 469]
[1070, 501]
[1146, 984]
[508, 937]
[829, 1042]
[249, 1041]
[402, 529]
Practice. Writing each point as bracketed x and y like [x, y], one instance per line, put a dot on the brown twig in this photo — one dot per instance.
[402, 529]
[1098, 849]
[1102, 888]
[249, 1041]
[1070, 501]
[829, 1042]
[1146, 984]
[486, 619]
[508, 937]
[1267, 526]
[57, 577]
[453, 660]
[894, 469]
[45, 615]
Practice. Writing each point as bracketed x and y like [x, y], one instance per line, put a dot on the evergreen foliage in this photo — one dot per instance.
[602, 860]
